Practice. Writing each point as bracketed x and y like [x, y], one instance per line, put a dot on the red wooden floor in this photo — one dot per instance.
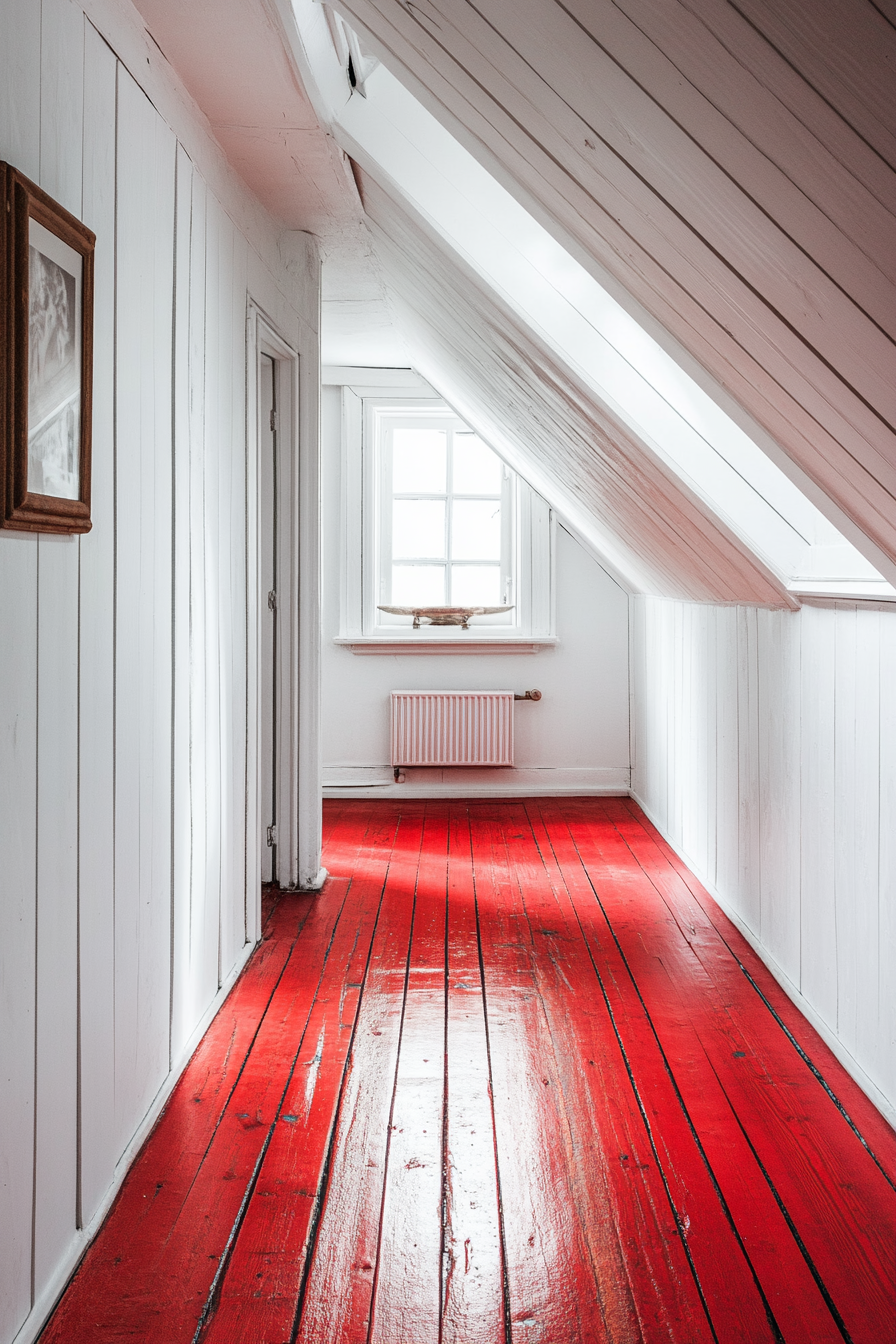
[511, 1076]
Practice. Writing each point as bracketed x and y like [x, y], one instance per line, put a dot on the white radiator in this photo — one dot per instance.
[452, 728]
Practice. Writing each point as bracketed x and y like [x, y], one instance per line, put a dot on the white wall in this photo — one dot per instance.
[125, 791]
[575, 740]
[764, 749]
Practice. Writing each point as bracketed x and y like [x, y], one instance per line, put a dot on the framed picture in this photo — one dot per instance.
[46, 348]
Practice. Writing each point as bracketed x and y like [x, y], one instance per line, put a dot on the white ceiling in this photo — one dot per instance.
[241, 60]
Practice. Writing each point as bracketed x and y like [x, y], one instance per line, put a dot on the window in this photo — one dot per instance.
[446, 524]
[432, 516]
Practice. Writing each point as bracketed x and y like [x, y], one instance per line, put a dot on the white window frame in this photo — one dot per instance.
[366, 407]
[451, 425]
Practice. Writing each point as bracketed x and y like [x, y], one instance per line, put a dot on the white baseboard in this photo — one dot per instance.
[376, 781]
[884, 1104]
[46, 1301]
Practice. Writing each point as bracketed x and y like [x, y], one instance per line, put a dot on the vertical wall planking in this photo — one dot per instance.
[62, 101]
[20, 63]
[779, 811]
[845, 814]
[143, 613]
[219, 461]
[56, 1083]
[211, 896]
[728, 831]
[712, 819]
[818, 948]
[858, 914]
[748, 768]
[666, 616]
[699, 685]
[203, 918]
[231, 630]
[96, 813]
[18, 844]
[234, 932]
[885, 937]
[180, 686]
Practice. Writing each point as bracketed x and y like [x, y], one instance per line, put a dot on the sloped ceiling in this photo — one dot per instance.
[730, 165]
[638, 518]
[234, 60]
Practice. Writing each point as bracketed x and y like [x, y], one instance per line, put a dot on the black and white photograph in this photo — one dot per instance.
[46, 373]
[54, 369]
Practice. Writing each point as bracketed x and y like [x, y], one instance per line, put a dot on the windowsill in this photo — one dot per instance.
[433, 644]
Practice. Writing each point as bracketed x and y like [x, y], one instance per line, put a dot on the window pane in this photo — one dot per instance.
[418, 461]
[475, 585]
[418, 529]
[477, 470]
[476, 529]
[418, 586]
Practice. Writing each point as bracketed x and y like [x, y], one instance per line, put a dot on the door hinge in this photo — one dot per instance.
[274, 422]
[272, 600]
[272, 836]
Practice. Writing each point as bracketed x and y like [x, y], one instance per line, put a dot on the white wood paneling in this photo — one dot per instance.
[96, 872]
[56, 991]
[181, 810]
[20, 66]
[778, 679]
[62, 101]
[204, 892]
[123, 680]
[803, 750]
[144, 249]
[18, 844]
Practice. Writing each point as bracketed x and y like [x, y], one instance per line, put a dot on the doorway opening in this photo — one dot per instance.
[283, 568]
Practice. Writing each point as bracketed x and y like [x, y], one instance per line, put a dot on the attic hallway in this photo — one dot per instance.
[511, 1076]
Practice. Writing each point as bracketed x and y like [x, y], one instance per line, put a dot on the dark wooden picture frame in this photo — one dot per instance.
[46, 360]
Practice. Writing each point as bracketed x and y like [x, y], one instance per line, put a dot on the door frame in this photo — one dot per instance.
[297, 743]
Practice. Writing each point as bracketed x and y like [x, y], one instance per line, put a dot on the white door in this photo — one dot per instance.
[267, 442]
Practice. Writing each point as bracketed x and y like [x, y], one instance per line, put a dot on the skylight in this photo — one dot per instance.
[628, 371]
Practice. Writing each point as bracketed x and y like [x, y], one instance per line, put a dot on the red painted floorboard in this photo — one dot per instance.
[510, 1078]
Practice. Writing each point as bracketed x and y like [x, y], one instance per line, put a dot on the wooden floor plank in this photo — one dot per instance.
[473, 1302]
[407, 1289]
[625, 1199]
[510, 1078]
[556, 1289]
[337, 1299]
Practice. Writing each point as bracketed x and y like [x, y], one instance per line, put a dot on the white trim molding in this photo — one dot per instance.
[408, 645]
[376, 781]
[298, 711]
[366, 406]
